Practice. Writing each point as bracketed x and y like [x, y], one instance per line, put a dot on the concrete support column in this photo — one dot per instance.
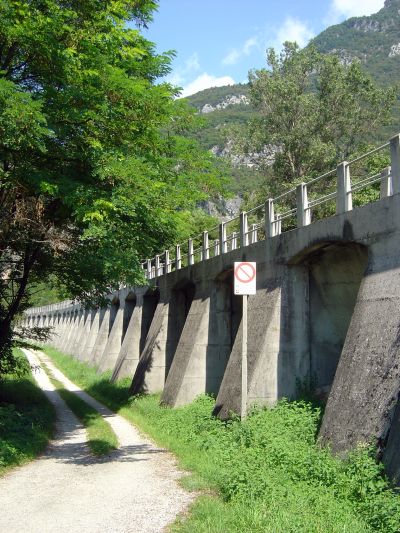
[70, 332]
[64, 331]
[361, 405]
[93, 326]
[344, 200]
[113, 346]
[102, 336]
[151, 370]
[79, 331]
[187, 377]
[395, 162]
[303, 209]
[264, 346]
[129, 354]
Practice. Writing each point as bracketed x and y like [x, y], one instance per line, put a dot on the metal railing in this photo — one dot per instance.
[320, 197]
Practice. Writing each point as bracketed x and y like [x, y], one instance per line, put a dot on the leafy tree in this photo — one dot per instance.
[314, 109]
[94, 171]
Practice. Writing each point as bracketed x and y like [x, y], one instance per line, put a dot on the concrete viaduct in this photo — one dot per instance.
[327, 308]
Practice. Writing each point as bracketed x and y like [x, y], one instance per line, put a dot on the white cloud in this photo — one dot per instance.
[205, 81]
[181, 73]
[342, 9]
[236, 53]
[192, 63]
[232, 58]
[293, 30]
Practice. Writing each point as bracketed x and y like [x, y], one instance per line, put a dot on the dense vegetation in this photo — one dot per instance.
[268, 474]
[367, 39]
[94, 171]
[26, 419]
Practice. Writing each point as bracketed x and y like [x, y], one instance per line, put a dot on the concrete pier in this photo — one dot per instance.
[325, 312]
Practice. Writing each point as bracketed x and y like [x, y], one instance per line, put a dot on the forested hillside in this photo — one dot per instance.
[373, 40]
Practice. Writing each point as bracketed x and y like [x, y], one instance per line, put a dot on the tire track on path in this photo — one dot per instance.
[68, 490]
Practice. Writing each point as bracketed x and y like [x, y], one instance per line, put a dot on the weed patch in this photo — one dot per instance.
[270, 473]
[26, 419]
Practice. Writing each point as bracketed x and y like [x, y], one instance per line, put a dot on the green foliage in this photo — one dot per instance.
[369, 39]
[95, 174]
[13, 363]
[270, 472]
[26, 421]
[366, 39]
[316, 110]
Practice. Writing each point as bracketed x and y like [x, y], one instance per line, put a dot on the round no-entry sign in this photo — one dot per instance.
[244, 278]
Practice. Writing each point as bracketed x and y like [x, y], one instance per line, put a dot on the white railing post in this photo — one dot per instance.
[303, 209]
[344, 200]
[178, 257]
[395, 162]
[386, 188]
[167, 262]
[278, 224]
[148, 269]
[153, 272]
[222, 238]
[244, 230]
[272, 228]
[190, 252]
[253, 234]
[216, 247]
[234, 239]
[205, 250]
[157, 266]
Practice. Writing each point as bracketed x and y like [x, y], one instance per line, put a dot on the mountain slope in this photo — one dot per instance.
[374, 40]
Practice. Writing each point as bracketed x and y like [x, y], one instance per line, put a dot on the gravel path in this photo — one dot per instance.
[133, 490]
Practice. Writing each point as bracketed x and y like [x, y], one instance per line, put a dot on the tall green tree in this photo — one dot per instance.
[94, 171]
[315, 110]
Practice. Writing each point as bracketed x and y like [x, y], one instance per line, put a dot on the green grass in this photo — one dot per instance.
[101, 438]
[267, 474]
[26, 420]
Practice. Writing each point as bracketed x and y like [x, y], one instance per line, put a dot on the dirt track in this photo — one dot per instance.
[133, 490]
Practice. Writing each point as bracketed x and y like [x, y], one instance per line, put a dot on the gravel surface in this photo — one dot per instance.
[132, 490]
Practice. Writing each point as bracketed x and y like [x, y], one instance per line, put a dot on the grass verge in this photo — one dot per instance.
[101, 438]
[268, 473]
[26, 420]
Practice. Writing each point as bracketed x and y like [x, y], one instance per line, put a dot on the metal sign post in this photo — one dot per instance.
[244, 284]
[243, 403]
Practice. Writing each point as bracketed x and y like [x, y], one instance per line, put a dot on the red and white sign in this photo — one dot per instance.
[244, 278]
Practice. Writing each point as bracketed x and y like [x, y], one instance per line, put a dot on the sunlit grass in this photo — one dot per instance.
[267, 474]
[26, 420]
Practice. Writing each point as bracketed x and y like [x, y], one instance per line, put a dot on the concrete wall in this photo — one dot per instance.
[326, 307]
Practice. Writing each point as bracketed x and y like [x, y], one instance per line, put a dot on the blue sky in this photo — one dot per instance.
[218, 41]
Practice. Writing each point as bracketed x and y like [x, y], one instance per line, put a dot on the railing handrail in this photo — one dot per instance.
[273, 221]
